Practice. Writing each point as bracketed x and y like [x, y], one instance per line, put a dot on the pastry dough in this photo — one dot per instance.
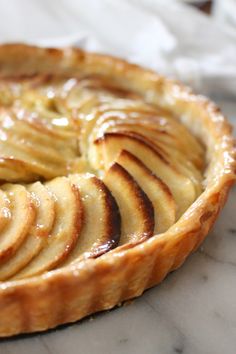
[121, 173]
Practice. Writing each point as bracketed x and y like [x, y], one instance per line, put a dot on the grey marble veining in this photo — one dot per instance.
[192, 312]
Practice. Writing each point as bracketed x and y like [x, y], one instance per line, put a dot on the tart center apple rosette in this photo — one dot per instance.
[90, 167]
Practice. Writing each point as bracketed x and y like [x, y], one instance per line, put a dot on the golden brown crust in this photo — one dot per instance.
[101, 283]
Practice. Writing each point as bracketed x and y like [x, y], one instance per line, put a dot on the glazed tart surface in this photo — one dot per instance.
[110, 176]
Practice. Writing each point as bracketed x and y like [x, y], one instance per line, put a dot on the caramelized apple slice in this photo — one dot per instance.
[38, 234]
[105, 150]
[23, 214]
[13, 170]
[156, 190]
[168, 128]
[46, 119]
[66, 229]
[42, 151]
[39, 134]
[168, 143]
[136, 210]
[101, 228]
[48, 170]
[5, 212]
[103, 112]
[172, 156]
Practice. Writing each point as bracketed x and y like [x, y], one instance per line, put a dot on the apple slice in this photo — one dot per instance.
[101, 229]
[44, 155]
[169, 143]
[21, 122]
[36, 107]
[13, 170]
[102, 111]
[5, 212]
[156, 190]
[66, 229]
[106, 149]
[42, 151]
[40, 134]
[11, 149]
[136, 210]
[173, 157]
[162, 125]
[23, 215]
[38, 234]
[162, 138]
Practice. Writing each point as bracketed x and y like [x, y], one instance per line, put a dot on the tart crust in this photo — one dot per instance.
[68, 294]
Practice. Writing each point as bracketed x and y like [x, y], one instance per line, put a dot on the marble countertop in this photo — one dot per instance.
[192, 312]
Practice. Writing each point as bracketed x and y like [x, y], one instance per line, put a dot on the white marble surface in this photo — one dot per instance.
[192, 312]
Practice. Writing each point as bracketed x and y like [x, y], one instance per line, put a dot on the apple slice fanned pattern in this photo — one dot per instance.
[86, 167]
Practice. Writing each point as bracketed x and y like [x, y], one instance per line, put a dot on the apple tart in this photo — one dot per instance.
[111, 175]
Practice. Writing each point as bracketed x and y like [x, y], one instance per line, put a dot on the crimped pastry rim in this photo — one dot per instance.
[98, 284]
